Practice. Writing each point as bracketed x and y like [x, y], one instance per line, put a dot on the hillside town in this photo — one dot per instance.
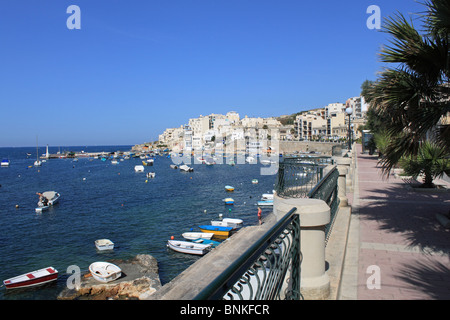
[214, 131]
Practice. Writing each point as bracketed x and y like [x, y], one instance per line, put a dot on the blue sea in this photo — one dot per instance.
[103, 200]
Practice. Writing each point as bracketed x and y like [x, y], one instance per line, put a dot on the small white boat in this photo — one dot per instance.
[104, 244]
[151, 175]
[52, 199]
[265, 203]
[105, 271]
[33, 278]
[139, 168]
[267, 196]
[174, 166]
[228, 222]
[186, 168]
[250, 159]
[5, 163]
[197, 235]
[255, 181]
[189, 247]
[114, 161]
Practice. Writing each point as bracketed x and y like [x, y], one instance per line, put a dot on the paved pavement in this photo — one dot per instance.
[397, 249]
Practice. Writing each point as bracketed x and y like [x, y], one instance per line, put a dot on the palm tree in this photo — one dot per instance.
[413, 95]
[431, 161]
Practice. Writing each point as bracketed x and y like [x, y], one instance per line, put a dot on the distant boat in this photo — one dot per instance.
[255, 181]
[38, 162]
[250, 159]
[114, 161]
[189, 247]
[104, 244]
[217, 230]
[139, 168]
[33, 278]
[228, 201]
[174, 166]
[105, 271]
[5, 163]
[147, 162]
[151, 175]
[52, 198]
[186, 168]
[229, 188]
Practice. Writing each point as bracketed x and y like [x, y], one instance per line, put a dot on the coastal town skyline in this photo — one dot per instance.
[133, 69]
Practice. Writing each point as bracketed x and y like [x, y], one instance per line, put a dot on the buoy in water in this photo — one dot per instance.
[172, 237]
[17, 206]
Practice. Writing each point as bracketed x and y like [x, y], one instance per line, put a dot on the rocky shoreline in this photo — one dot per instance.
[139, 280]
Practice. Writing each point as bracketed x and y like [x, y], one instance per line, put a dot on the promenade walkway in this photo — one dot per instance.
[397, 249]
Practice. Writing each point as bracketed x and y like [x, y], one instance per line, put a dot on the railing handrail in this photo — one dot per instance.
[321, 182]
[222, 284]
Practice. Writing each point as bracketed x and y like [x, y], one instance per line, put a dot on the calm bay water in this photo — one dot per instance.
[103, 200]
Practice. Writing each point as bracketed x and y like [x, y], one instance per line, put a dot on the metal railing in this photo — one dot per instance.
[297, 176]
[261, 271]
[327, 190]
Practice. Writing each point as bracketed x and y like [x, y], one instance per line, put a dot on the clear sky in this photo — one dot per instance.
[137, 67]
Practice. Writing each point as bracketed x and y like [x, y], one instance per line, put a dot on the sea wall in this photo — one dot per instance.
[324, 148]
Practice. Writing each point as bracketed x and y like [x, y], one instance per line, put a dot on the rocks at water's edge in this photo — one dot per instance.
[139, 280]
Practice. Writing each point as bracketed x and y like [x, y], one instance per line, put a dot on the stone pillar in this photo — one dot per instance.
[343, 165]
[314, 216]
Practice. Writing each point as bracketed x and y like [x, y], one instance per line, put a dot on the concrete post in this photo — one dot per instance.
[314, 216]
[343, 165]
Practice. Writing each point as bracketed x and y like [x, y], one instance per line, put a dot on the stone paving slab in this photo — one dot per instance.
[396, 239]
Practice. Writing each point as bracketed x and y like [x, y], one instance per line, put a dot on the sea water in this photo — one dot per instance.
[104, 200]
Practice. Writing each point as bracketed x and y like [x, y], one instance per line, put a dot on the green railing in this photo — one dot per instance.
[327, 190]
[261, 271]
[298, 176]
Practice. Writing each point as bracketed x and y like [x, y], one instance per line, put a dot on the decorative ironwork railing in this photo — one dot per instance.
[327, 190]
[298, 176]
[261, 272]
[303, 178]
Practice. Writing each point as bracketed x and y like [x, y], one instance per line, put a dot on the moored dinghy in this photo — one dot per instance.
[33, 278]
[228, 201]
[228, 222]
[197, 235]
[217, 230]
[105, 271]
[189, 247]
[104, 244]
[229, 188]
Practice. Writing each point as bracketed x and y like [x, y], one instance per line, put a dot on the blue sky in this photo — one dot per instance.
[137, 67]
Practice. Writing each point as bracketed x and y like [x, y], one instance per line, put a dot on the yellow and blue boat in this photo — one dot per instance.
[228, 201]
[217, 230]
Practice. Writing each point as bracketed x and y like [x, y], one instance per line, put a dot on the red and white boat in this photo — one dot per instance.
[33, 278]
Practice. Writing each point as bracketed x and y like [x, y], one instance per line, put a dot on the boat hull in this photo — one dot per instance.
[188, 247]
[105, 272]
[197, 235]
[217, 230]
[104, 244]
[34, 278]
